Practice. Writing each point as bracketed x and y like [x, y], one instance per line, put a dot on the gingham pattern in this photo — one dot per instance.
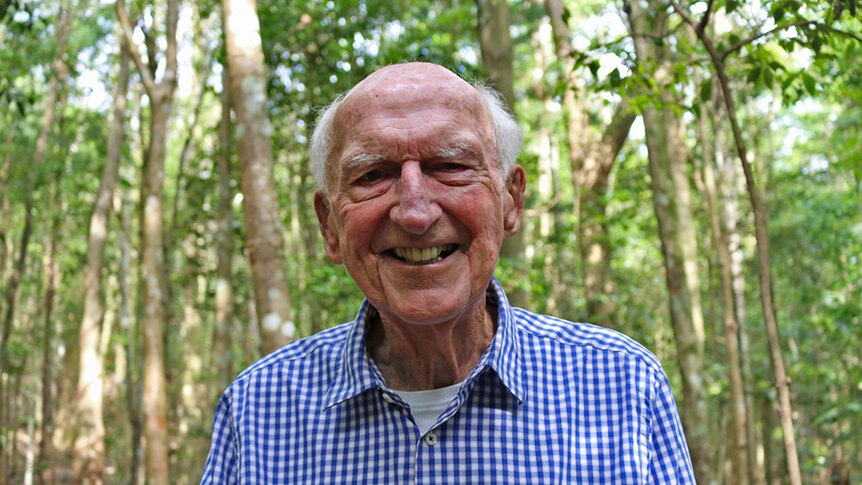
[550, 402]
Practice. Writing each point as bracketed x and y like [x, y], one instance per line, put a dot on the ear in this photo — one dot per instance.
[513, 204]
[327, 227]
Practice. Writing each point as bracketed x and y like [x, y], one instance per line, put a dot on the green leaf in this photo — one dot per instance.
[706, 90]
[810, 83]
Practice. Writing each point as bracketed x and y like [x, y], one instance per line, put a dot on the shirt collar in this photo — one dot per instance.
[358, 373]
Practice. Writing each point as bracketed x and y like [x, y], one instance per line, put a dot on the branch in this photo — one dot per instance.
[705, 20]
[171, 51]
[829, 28]
[749, 40]
[686, 16]
[126, 26]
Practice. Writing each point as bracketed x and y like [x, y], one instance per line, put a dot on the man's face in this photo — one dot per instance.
[418, 208]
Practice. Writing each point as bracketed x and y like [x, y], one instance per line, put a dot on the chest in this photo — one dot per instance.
[556, 436]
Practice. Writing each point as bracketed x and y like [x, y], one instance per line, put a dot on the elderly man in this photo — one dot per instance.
[438, 379]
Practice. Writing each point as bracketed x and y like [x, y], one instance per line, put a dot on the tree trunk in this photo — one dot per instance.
[262, 222]
[155, 290]
[730, 203]
[224, 248]
[591, 159]
[495, 43]
[59, 71]
[740, 449]
[45, 459]
[671, 198]
[132, 385]
[765, 270]
[5, 170]
[89, 449]
[191, 423]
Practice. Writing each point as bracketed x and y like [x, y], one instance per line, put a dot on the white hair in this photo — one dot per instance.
[507, 135]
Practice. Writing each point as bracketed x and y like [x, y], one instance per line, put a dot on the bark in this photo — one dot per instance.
[155, 291]
[45, 458]
[765, 270]
[738, 411]
[265, 242]
[192, 399]
[132, 385]
[59, 71]
[737, 262]
[89, 448]
[591, 158]
[5, 170]
[552, 219]
[224, 248]
[495, 44]
[671, 200]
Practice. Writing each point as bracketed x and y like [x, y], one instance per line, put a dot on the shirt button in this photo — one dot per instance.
[430, 438]
[388, 398]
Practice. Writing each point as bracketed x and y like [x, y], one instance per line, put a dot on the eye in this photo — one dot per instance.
[449, 166]
[371, 176]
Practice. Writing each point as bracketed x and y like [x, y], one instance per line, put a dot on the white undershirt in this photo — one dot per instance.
[427, 406]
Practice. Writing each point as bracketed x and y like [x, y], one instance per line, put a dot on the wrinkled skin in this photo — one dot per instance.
[413, 166]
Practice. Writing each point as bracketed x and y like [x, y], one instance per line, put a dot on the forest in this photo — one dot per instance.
[694, 180]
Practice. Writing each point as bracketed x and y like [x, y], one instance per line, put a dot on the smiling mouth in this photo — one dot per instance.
[424, 255]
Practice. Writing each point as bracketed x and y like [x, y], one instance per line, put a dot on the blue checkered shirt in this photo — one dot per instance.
[550, 401]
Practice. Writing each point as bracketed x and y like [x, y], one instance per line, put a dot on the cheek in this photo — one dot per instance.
[359, 223]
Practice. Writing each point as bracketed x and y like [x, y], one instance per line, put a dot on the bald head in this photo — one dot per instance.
[410, 88]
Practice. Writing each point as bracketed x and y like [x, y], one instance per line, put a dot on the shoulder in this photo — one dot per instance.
[584, 337]
[311, 350]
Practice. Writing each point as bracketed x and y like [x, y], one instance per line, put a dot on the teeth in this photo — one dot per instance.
[424, 255]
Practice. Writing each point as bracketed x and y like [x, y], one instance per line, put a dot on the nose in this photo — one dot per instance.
[416, 210]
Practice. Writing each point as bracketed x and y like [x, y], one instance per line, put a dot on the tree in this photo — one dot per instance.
[224, 247]
[740, 444]
[89, 460]
[155, 291]
[672, 204]
[495, 44]
[591, 159]
[265, 244]
[762, 235]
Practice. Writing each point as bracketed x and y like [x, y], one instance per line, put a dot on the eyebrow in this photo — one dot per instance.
[458, 150]
[359, 161]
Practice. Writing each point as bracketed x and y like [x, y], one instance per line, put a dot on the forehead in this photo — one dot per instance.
[407, 109]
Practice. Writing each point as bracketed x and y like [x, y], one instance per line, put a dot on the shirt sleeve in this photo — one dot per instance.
[670, 462]
[221, 466]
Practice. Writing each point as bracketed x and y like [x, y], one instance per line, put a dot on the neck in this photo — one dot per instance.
[421, 357]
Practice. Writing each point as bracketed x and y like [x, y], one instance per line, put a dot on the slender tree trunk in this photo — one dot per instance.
[192, 400]
[671, 198]
[5, 170]
[262, 222]
[155, 290]
[591, 157]
[765, 270]
[740, 449]
[89, 449]
[495, 44]
[224, 248]
[730, 203]
[132, 385]
[45, 459]
[59, 71]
